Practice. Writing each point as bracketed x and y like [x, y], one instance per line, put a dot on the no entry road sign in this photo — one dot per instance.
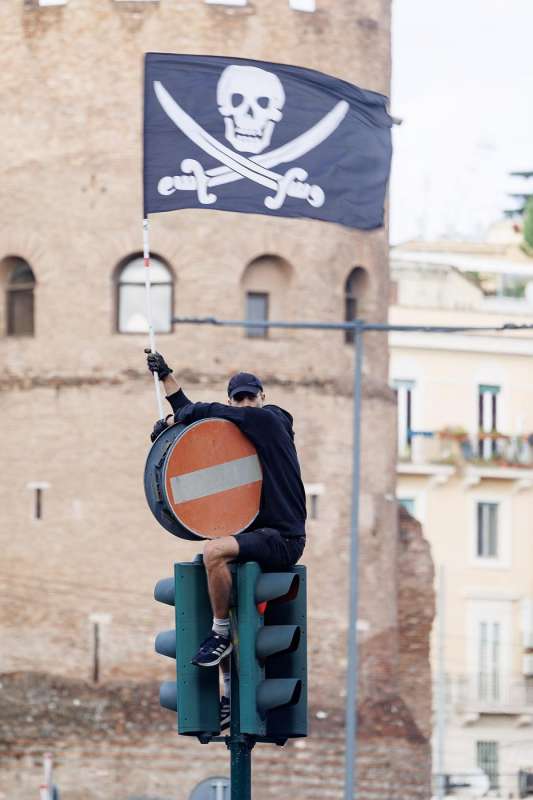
[204, 480]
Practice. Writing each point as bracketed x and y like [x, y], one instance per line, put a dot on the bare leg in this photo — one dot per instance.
[217, 554]
[225, 670]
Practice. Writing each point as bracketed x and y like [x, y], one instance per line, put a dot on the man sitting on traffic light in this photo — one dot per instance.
[277, 539]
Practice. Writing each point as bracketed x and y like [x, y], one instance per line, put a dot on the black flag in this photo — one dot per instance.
[251, 136]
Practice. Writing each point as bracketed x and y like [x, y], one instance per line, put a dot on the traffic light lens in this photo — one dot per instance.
[274, 639]
[278, 692]
[165, 643]
[277, 587]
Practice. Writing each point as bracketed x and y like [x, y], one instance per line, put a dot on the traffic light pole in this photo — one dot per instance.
[239, 745]
[352, 671]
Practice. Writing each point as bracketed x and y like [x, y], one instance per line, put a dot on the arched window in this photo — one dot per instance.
[265, 283]
[353, 291]
[131, 296]
[19, 297]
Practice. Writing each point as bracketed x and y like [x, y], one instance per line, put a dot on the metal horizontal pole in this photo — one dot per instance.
[356, 325]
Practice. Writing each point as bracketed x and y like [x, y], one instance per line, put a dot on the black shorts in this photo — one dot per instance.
[269, 548]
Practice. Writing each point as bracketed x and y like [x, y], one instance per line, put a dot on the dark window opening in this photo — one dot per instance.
[313, 506]
[96, 652]
[353, 289]
[487, 760]
[19, 300]
[38, 504]
[257, 311]
[404, 399]
[409, 504]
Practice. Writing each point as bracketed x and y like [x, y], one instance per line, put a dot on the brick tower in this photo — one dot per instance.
[81, 551]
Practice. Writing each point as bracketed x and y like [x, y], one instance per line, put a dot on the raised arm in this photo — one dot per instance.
[173, 391]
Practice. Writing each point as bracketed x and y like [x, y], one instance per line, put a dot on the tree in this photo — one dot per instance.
[528, 225]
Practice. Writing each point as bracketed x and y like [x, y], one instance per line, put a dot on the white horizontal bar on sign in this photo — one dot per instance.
[302, 5]
[53, 2]
[212, 480]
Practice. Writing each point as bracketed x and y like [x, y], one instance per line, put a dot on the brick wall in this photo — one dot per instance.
[114, 741]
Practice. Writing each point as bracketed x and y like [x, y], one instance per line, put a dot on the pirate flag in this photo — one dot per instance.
[251, 136]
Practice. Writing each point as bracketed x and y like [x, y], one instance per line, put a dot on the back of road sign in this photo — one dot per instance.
[203, 481]
[211, 789]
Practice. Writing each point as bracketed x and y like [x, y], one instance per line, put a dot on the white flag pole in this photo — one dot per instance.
[47, 765]
[146, 250]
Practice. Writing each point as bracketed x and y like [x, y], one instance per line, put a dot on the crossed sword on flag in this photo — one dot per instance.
[234, 167]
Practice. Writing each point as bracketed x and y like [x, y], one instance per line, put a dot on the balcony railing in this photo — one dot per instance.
[489, 693]
[449, 446]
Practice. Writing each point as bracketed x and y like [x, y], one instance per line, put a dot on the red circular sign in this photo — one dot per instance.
[212, 479]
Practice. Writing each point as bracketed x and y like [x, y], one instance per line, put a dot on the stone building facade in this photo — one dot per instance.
[80, 550]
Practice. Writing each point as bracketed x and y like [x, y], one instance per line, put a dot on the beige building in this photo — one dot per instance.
[465, 470]
[81, 551]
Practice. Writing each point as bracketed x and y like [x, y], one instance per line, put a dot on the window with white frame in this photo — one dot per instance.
[491, 531]
[312, 494]
[489, 660]
[296, 5]
[131, 296]
[302, 5]
[487, 419]
[226, 2]
[487, 760]
[404, 393]
[489, 632]
[487, 530]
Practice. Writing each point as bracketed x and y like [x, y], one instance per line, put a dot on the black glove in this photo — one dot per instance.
[160, 426]
[156, 363]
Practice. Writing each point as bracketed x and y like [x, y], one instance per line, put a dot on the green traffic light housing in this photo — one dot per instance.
[194, 693]
[272, 652]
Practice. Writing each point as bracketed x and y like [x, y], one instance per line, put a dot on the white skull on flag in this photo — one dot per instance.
[250, 100]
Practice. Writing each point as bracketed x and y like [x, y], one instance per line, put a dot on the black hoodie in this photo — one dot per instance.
[270, 430]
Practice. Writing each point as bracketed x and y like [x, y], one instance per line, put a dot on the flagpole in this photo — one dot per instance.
[151, 335]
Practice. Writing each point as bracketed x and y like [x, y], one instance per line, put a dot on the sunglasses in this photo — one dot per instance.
[244, 396]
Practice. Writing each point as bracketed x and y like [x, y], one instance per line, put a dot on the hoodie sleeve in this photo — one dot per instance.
[253, 422]
[178, 400]
[192, 412]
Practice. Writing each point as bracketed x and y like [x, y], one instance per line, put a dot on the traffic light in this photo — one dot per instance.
[272, 652]
[194, 694]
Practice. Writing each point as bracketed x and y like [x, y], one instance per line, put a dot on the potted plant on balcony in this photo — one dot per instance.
[455, 443]
[500, 454]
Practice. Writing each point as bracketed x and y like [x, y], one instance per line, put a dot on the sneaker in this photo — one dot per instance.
[212, 651]
[224, 713]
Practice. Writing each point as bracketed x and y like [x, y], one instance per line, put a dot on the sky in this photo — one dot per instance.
[463, 85]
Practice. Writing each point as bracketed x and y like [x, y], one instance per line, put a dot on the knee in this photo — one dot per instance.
[214, 553]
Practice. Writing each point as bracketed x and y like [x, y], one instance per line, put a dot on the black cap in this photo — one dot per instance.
[244, 382]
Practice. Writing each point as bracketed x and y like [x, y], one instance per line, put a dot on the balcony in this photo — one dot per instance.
[495, 694]
[475, 456]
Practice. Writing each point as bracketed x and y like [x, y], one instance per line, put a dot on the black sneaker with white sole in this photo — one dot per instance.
[225, 718]
[212, 651]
